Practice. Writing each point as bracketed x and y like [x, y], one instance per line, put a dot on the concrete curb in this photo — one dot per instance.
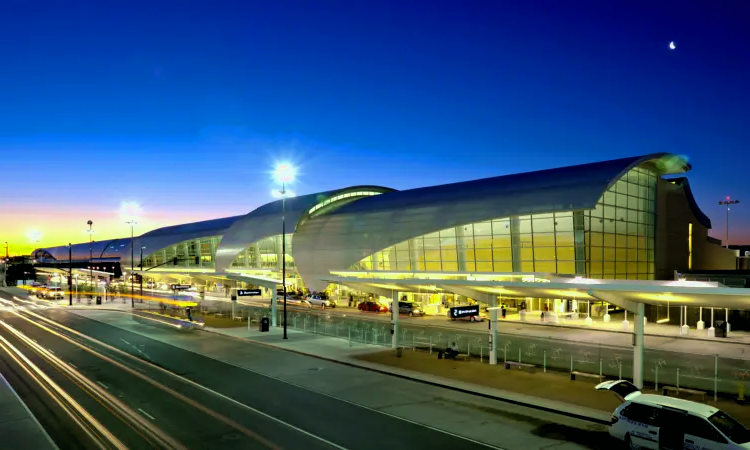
[424, 381]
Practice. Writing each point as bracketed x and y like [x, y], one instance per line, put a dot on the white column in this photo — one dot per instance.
[588, 320]
[273, 307]
[726, 316]
[606, 317]
[625, 323]
[638, 345]
[493, 331]
[701, 324]
[684, 329]
[394, 320]
[711, 332]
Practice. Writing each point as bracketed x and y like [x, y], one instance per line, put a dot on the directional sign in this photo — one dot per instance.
[464, 311]
[248, 292]
[181, 287]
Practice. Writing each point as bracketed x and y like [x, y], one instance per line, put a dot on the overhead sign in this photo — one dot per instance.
[464, 311]
[248, 292]
[181, 287]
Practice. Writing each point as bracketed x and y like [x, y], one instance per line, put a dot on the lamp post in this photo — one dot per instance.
[728, 202]
[140, 264]
[91, 253]
[284, 174]
[132, 261]
[70, 277]
[5, 265]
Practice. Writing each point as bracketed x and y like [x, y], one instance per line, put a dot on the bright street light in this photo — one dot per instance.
[284, 173]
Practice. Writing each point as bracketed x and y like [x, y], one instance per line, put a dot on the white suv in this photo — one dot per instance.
[656, 421]
[321, 300]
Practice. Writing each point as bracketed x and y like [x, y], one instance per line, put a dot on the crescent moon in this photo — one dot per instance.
[672, 46]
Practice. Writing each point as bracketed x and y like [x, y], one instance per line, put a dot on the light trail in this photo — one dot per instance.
[187, 400]
[113, 404]
[92, 427]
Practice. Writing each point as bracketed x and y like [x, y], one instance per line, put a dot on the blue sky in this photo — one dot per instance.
[185, 106]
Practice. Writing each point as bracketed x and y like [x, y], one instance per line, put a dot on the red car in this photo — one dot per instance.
[372, 306]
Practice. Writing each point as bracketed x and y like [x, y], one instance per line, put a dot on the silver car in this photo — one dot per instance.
[321, 300]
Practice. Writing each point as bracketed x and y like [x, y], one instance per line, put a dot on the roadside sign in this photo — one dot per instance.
[248, 292]
[181, 287]
[464, 311]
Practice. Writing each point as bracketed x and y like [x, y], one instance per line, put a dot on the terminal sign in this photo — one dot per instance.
[464, 311]
[181, 287]
[247, 292]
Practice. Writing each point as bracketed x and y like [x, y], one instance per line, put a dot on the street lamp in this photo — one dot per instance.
[728, 202]
[132, 260]
[140, 264]
[284, 174]
[91, 254]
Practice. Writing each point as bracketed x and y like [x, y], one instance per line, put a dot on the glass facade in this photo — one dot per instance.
[614, 240]
[348, 195]
[186, 251]
[265, 254]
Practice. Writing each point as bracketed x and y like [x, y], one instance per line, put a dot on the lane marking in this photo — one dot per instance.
[103, 385]
[190, 382]
[72, 365]
[484, 444]
[146, 414]
[123, 340]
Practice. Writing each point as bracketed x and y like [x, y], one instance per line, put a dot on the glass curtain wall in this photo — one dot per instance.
[614, 240]
[186, 251]
[620, 230]
[265, 254]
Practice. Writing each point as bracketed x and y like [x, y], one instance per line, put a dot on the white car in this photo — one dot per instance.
[660, 422]
[321, 300]
[52, 293]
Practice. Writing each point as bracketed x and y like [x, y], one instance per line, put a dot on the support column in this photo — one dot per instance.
[394, 320]
[515, 242]
[461, 248]
[701, 324]
[711, 331]
[198, 252]
[638, 331]
[258, 259]
[415, 252]
[726, 319]
[626, 324]
[684, 328]
[493, 331]
[273, 307]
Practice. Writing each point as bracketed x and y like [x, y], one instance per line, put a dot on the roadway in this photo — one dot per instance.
[121, 389]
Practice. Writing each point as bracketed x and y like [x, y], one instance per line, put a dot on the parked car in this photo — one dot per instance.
[372, 306]
[322, 300]
[656, 421]
[410, 308]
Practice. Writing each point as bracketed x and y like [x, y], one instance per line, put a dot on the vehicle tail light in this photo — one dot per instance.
[614, 419]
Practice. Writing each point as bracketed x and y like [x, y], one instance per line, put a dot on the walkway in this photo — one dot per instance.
[18, 427]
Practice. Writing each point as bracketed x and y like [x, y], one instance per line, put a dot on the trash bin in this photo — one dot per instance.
[98, 299]
[264, 324]
[721, 328]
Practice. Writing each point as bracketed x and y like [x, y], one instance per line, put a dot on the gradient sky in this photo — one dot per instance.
[184, 107]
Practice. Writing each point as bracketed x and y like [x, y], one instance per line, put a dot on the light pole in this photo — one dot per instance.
[728, 202]
[5, 265]
[140, 264]
[91, 254]
[132, 261]
[285, 174]
[70, 277]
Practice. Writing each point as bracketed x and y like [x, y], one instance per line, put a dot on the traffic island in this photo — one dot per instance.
[550, 385]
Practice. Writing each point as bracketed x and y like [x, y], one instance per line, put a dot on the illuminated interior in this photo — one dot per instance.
[265, 254]
[613, 240]
[186, 251]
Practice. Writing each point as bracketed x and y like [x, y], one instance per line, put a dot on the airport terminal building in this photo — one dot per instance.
[625, 219]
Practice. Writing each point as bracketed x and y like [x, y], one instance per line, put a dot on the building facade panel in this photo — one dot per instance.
[343, 238]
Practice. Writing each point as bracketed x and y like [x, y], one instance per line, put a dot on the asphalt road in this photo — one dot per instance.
[234, 408]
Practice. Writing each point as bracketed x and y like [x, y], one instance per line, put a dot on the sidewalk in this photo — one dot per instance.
[366, 356]
[18, 427]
